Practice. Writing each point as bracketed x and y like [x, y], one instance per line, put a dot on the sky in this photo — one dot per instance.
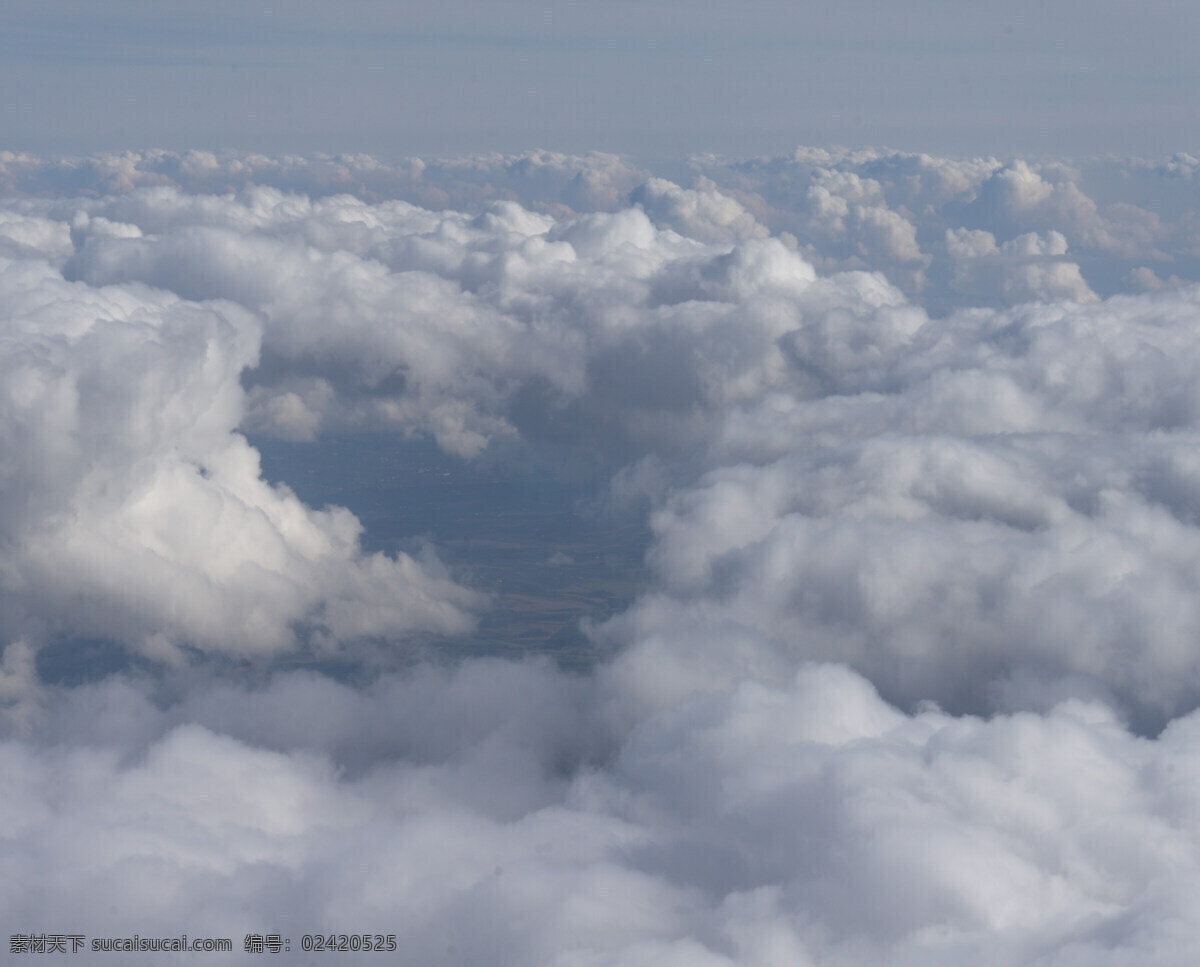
[737, 504]
[655, 80]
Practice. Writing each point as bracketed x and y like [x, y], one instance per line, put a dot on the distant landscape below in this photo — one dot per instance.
[543, 546]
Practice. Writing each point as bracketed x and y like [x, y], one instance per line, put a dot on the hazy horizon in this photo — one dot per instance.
[653, 81]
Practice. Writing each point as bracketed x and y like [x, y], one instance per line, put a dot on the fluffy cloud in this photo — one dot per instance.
[132, 509]
[595, 182]
[1018, 271]
[488, 814]
[702, 213]
[1113, 214]
[911, 677]
[983, 448]
[464, 327]
[868, 209]
[1005, 500]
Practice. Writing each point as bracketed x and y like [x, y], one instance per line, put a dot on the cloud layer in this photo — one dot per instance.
[911, 680]
[492, 814]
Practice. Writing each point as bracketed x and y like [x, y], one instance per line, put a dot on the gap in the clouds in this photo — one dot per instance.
[506, 524]
[70, 661]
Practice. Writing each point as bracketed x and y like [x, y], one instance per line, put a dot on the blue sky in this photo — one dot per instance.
[654, 80]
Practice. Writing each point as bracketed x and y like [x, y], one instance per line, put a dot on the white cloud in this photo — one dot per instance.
[952, 476]
[1027, 268]
[702, 213]
[944, 518]
[801, 822]
[133, 510]
[1114, 214]
[609, 332]
[593, 182]
[868, 209]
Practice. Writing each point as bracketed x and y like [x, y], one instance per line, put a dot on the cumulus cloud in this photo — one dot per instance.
[1020, 270]
[910, 675]
[1114, 214]
[593, 182]
[946, 523]
[702, 213]
[132, 508]
[870, 209]
[489, 814]
[616, 334]
[465, 327]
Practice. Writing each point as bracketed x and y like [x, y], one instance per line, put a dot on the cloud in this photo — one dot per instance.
[132, 508]
[802, 822]
[909, 676]
[466, 327]
[1114, 214]
[593, 182]
[948, 523]
[1020, 270]
[702, 213]
[984, 448]
[868, 209]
